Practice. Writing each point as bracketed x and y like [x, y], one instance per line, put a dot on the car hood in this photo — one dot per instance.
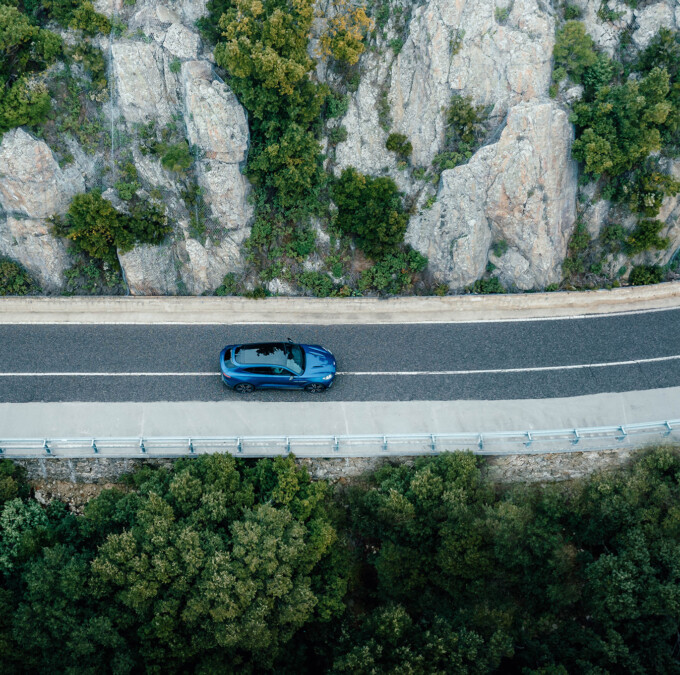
[319, 360]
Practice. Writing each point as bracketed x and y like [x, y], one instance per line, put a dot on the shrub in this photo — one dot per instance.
[613, 237]
[645, 236]
[319, 283]
[229, 285]
[642, 275]
[345, 33]
[98, 229]
[393, 273]
[175, 66]
[371, 210]
[579, 242]
[94, 64]
[14, 279]
[571, 12]
[574, 52]
[643, 189]
[177, 157]
[491, 285]
[90, 22]
[399, 144]
[337, 135]
[664, 52]
[502, 14]
[464, 130]
[499, 248]
[336, 105]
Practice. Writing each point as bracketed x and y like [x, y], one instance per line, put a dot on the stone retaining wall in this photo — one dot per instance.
[76, 481]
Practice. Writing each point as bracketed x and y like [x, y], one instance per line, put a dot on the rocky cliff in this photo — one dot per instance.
[519, 188]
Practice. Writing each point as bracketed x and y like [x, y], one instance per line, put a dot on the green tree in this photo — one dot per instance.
[620, 127]
[371, 210]
[25, 50]
[574, 52]
[219, 562]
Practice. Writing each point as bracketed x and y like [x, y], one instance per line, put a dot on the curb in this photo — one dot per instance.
[335, 311]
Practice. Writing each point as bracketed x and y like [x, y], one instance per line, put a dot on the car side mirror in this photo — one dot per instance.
[292, 377]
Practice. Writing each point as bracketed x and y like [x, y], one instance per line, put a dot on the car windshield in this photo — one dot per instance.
[284, 354]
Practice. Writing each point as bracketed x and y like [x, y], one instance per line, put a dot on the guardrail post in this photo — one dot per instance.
[480, 442]
[336, 444]
[46, 447]
[191, 447]
[669, 428]
[288, 445]
[623, 435]
[94, 447]
[142, 449]
[529, 441]
[239, 445]
[433, 443]
[384, 444]
[577, 438]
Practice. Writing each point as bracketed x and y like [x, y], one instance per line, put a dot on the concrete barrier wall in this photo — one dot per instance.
[332, 311]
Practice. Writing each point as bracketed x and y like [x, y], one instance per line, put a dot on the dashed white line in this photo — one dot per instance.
[406, 373]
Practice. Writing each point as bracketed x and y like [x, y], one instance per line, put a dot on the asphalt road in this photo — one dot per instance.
[375, 362]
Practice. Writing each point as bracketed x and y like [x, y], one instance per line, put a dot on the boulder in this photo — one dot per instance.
[605, 34]
[32, 183]
[225, 191]
[216, 121]
[181, 42]
[150, 270]
[145, 87]
[30, 242]
[206, 264]
[521, 189]
[649, 19]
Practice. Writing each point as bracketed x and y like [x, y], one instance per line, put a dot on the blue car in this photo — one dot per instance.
[277, 365]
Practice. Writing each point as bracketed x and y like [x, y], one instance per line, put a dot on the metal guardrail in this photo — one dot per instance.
[492, 443]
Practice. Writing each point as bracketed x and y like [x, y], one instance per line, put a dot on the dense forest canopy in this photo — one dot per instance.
[219, 565]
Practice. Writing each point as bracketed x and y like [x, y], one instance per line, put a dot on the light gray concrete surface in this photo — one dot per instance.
[333, 311]
[242, 418]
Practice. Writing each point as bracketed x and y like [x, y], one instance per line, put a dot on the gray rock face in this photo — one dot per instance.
[32, 188]
[147, 90]
[31, 182]
[216, 121]
[142, 75]
[150, 270]
[209, 262]
[498, 65]
[649, 19]
[521, 190]
[29, 241]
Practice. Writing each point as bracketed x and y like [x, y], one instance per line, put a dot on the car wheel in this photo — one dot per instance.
[315, 388]
[244, 388]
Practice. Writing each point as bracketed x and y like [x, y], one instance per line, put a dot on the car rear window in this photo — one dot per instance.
[272, 353]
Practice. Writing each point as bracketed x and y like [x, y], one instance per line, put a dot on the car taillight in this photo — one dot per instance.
[227, 376]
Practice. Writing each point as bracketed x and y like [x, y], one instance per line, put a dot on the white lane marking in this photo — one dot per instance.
[535, 369]
[79, 374]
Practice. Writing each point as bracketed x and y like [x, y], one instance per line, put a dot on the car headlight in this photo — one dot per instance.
[327, 377]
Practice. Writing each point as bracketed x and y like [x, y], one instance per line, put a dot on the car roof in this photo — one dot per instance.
[267, 353]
